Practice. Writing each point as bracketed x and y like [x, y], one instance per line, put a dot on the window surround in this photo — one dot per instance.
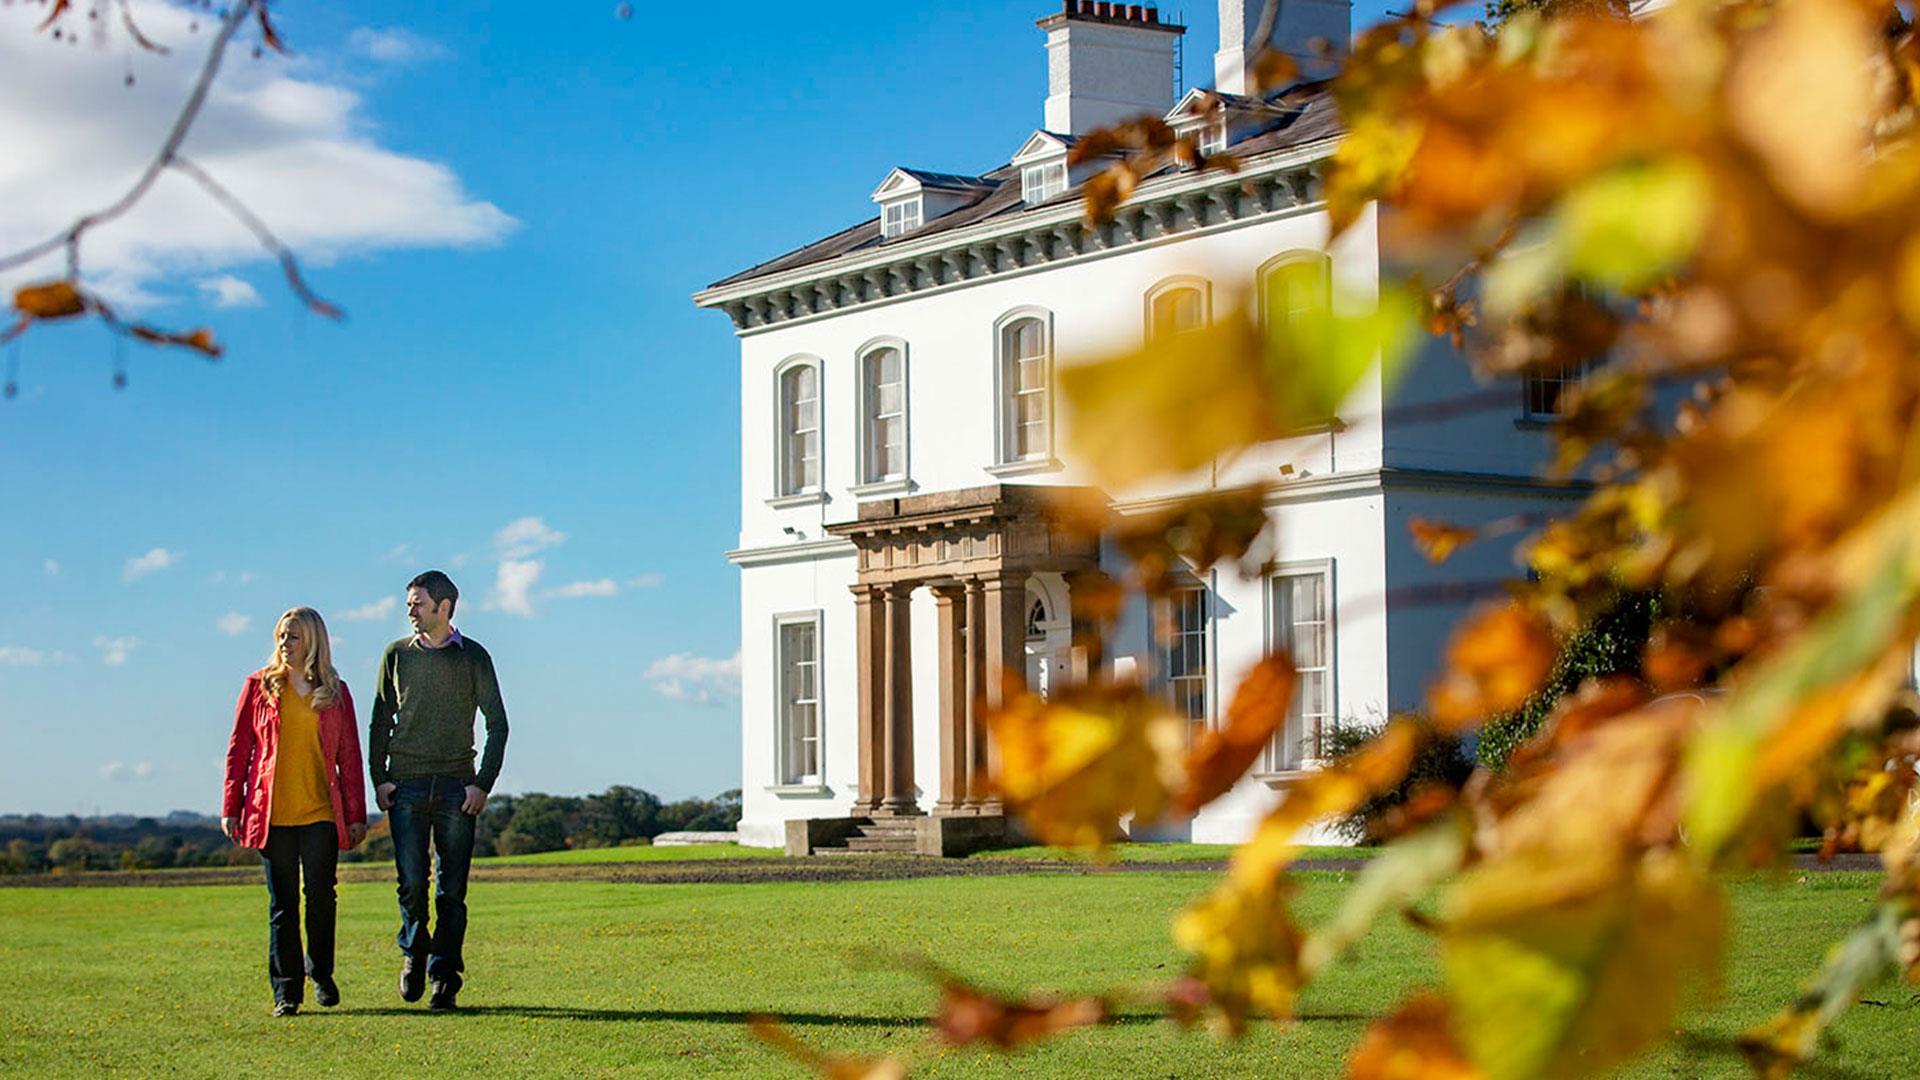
[1005, 463]
[1171, 285]
[781, 621]
[1574, 375]
[1042, 180]
[1161, 677]
[1325, 569]
[870, 483]
[1280, 263]
[804, 495]
[900, 217]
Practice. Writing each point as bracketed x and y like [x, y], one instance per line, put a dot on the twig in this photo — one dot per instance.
[261, 233]
[70, 239]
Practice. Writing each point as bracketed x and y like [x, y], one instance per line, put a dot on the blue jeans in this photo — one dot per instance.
[423, 808]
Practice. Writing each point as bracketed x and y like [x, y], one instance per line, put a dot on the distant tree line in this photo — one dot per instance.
[511, 825]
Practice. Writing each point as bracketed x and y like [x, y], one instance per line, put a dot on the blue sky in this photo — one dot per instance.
[513, 202]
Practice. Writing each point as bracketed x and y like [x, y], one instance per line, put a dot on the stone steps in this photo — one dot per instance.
[877, 836]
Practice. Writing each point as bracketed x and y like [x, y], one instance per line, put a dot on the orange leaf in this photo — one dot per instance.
[832, 1066]
[1438, 540]
[1495, 662]
[968, 1015]
[52, 300]
[1414, 1043]
[200, 340]
[1221, 755]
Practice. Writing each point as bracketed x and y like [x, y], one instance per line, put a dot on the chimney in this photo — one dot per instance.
[1106, 63]
[1294, 33]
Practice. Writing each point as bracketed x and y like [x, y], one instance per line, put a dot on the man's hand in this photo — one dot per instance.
[383, 797]
[356, 833]
[476, 801]
[230, 825]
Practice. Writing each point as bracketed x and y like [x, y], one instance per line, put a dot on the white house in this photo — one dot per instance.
[899, 432]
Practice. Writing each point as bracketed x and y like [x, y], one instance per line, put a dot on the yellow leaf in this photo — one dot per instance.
[831, 1066]
[1632, 225]
[1801, 94]
[1497, 660]
[50, 300]
[1574, 984]
[1072, 766]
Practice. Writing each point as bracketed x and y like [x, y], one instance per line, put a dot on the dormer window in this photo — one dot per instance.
[1212, 137]
[910, 198]
[1038, 183]
[898, 219]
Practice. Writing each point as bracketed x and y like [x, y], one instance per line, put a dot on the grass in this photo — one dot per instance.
[589, 979]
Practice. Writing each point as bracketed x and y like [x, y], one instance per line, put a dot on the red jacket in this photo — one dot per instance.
[248, 793]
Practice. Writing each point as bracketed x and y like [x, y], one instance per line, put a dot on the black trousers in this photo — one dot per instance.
[293, 853]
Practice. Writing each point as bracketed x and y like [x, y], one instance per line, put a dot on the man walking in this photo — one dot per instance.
[420, 752]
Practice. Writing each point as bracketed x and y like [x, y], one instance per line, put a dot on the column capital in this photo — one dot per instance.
[1002, 578]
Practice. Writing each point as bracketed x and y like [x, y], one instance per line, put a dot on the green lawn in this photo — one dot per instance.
[588, 979]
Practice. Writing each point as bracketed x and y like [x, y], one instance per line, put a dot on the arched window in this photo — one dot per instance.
[883, 413]
[799, 450]
[1025, 346]
[1177, 305]
[1293, 284]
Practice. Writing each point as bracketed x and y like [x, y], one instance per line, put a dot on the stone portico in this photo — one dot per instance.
[974, 550]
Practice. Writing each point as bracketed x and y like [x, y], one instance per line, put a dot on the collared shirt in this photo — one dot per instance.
[453, 638]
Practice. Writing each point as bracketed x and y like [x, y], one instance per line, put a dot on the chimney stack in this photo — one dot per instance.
[1106, 63]
[1301, 22]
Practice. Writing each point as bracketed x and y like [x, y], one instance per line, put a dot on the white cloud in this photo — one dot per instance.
[153, 561]
[246, 577]
[121, 771]
[521, 538]
[298, 151]
[398, 553]
[233, 624]
[371, 611]
[114, 651]
[393, 45]
[576, 589]
[21, 656]
[645, 581]
[699, 679]
[510, 591]
[51, 567]
[227, 291]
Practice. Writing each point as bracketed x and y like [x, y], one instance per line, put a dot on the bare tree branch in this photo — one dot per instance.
[70, 239]
[260, 231]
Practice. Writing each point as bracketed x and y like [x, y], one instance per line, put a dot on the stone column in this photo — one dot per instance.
[954, 771]
[870, 662]
[1006, 638]
[974, 754]
[897, 711]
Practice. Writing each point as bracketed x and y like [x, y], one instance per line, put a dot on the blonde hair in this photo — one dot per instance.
[319, 667]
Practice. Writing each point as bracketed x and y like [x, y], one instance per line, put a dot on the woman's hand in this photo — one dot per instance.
[356, 833]
[230, 825]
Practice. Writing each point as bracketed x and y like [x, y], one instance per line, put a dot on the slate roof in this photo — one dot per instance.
[1307, 115]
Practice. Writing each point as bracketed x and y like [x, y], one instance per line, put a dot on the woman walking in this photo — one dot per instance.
[295, 790]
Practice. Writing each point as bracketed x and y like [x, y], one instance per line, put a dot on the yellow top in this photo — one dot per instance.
[300, 795]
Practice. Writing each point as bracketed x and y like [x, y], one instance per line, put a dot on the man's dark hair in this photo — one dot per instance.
[438, 587]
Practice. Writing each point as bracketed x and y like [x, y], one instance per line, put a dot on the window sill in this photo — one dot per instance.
[798, 790]
[1537, 423]
[1022, 468]
[804, 498]
[899, 486]
[1289, 777]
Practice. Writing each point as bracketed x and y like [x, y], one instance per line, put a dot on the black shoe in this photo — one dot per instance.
[286, 1008]
[443, 997]
[326, 993]
[413, 978]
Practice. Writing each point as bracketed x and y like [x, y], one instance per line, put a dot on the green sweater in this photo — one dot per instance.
[423, 713]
